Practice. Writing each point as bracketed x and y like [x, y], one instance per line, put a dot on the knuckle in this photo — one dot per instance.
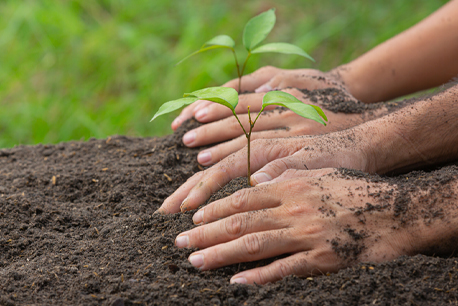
[263, 276]
[258, 143]
[298, 185]
[266, 69]
[217, 257]
[283, 269]
[312, 230]
[238, 200]
[279, 166]
[290, 172]
[252, 244]
[197, 237]
[236, 225]
[233, 126]
[196, 176]
[294, 210]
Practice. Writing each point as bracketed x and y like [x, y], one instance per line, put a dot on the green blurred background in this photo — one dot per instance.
[79, 69]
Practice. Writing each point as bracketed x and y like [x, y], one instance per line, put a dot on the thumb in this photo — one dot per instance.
[273, 83]
[295, 173]
[275, 168]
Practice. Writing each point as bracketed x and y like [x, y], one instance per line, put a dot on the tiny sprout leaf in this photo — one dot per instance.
[220, 40]
[257, 29]
[289, 101]
[170, 106]
[319, 111]
[223, 95]
[284, 48]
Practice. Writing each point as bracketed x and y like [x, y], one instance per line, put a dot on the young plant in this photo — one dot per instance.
[229, 97]
[256, 30]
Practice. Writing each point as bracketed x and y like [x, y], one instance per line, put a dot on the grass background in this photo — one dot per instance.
[74, 69]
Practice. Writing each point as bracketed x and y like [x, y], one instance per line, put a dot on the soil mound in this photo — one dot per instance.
[77, 228]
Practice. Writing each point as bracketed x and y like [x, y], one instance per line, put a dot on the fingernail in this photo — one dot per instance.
[189, 137]
[196, 260]
[198, 217]
[263, 88]
[183, 205]
[201, 114]
[182, 241]
[204, 157]
[261, 177]
[238, 280]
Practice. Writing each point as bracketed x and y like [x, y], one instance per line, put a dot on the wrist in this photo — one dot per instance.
[352, 78]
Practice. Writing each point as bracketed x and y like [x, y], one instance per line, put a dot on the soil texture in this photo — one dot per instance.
[77, 228]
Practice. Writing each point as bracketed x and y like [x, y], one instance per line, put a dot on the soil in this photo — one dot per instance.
[338, 101]
[77, 228]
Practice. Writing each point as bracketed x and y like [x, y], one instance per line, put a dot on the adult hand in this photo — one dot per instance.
[340, 149]
[262, 80]
[320, 220]
[277, 124]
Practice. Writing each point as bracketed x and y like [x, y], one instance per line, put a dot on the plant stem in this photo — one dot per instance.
[241, 125]
[248, 137]
[241, 73]
[238, 68]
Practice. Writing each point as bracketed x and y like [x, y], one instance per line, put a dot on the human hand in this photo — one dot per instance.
[277, 124]
[340, 149]
[321, 220]
[262, 80]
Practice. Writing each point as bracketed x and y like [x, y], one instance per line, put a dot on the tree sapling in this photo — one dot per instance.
[229, 97]
[255, 31]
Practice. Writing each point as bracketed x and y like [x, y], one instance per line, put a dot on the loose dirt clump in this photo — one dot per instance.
[77, 228]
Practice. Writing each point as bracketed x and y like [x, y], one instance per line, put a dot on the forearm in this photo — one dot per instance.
[421, 57]
[421, 134]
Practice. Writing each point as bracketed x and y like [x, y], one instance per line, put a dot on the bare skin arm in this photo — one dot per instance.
[421, 134]
[324, 222]
[421, 57]
[424, 56]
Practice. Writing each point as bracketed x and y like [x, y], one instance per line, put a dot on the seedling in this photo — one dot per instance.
[229, 97]
[256, 30]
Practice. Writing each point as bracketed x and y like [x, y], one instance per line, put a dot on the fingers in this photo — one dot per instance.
[228, 229]
[235, 165]
[188, 112]
[252, 81]
[213, 111]
[217, 153]
[172, 204]
[242, 201]
[294, 173]
[300, 78]
[249, 247]
[301, 264]
[277, 167]
[229, 128]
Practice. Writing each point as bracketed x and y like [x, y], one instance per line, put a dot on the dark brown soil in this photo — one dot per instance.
[337, 101]
[77, 228]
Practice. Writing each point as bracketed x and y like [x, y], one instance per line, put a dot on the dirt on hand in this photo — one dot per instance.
[77, 228]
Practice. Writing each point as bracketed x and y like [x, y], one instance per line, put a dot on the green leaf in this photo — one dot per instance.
[289, 101]
[220, 41]
[257, 29]
[170, 106]
[284, 48]
[319, 111]
[223, 95]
